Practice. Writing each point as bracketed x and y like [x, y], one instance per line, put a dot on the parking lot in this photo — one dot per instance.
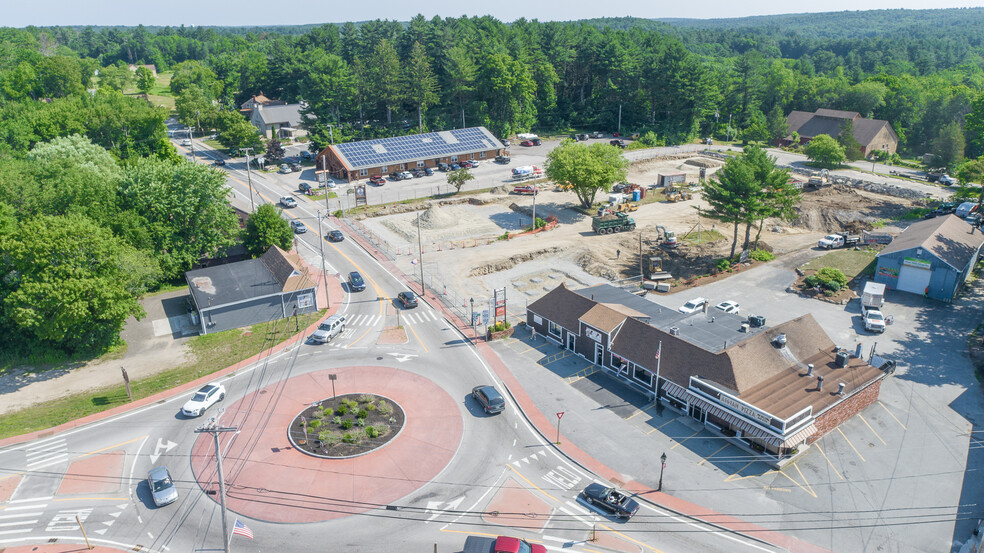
[893, 477]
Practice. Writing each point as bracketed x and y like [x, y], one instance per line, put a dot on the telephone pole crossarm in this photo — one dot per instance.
[214, 429]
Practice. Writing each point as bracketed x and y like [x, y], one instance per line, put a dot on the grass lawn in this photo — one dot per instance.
[705, 236]
[211, 353]
[160, 93]
[852, 263]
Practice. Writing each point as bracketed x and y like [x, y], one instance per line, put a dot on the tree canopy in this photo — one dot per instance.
[587, 169]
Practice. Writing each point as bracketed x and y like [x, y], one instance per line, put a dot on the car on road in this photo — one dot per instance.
[395, 176]
[407, 299]
[526, 143]
[186, 142]
[874, 321]
[288, 201]
[693, 306]
[618, 143]
[162, 486]
[728, 306]
[207, 396]
[356, 283]
[335, 236]
[298, 227]
[333, 326]
[489, 398]
[220, 162]
[377, 180]
[610, 500]
[407, 175]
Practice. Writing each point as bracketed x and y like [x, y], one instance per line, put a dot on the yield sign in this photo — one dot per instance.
[560, 415]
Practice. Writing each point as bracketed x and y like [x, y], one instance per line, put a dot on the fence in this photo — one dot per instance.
[651, 153]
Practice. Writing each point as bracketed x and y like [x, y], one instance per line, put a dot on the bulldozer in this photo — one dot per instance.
[674, 194]
[652, 268]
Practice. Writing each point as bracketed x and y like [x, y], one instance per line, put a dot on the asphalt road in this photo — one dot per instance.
[97, 472]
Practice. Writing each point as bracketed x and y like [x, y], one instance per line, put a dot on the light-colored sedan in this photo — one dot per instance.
[162, 486]
[728, 307]
[693, 306]
[204, 398]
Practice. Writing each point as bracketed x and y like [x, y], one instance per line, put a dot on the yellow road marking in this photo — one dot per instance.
[410, 326]
[685, 439]
[803, 476]
[532, 484]
[891, 415]
[660, 426]
[110, 447]
[872, 429]
[616, 532]
[798, 485]
[852, 445]
[11, 476]
[737, 472]
[641, 411]
[93, 499]
[832, 467]
[712, 455]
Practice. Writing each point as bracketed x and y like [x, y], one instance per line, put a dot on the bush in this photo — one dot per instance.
[365, 398]
[349, 438]
[342, 409]
[761, 255]
[371, 432]
[539, 223]
[314, 425]
[380, 429]
[551, 219]
[723, 264]
[348, 423]
[337, 420]
[338, 214]
[318, 414]
[499, 326]
[828, 278]
[385, 409]
[329, 438]
[371, 407]
[362, 413]
[360, 422]
[329, 411]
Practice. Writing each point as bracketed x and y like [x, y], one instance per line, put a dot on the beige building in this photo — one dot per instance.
[872, 134]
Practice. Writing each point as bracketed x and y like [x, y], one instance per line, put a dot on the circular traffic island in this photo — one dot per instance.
[346, 426]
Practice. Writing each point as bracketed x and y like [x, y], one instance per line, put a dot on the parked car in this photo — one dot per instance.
[503, 159]
[288, 201]
[205, 397]
[333, 326]
[526, 143]
[304, 187]
[417, 172]
[396, 176]
[407, 175]
[536, 141]
[469, 164]
[428, 171]
[489, 398]
[296, 167]
[728, 306]
[377, 180]
[443, 167]
[597, 134]
[356, 283]
[693, 306]
[617, 142]
[335, 236]
[610, 500]
[505, 142]
[298, 227]
[408, 299]
[162, 486]
[306, 155]
[284, 169]
[454, 167]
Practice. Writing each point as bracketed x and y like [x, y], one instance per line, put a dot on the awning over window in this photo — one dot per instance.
[675, 390]
[736, 422]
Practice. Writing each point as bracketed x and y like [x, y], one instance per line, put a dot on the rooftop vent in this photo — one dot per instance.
[780, 340]
[674, 331]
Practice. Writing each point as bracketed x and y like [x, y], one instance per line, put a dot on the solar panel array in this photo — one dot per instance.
[400, 149]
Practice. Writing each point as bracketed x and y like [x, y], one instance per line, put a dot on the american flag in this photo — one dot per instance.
[242, 530]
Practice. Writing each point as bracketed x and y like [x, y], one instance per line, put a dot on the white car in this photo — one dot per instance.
[728, 306]
[186, 142]
[874, 321]
[407, 175]
[693, 306]
[204, 398]
[288, 201]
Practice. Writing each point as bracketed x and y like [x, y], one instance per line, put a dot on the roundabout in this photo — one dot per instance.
[346, 426]
[268, 477]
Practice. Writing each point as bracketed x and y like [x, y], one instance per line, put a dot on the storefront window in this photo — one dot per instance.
[554, 328]
[642, 375]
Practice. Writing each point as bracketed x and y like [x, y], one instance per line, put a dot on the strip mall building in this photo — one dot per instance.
[773, 390]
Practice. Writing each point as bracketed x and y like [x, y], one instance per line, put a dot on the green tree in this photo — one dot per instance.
[852, 148]
[186, 208]
[422, 85]
[266, 228]
[778, 196]
[733, 196]
[825, 151]
[587, 169]
[776, 124]
[386, 75]
[949, 145]
[327, 86]
[974, 127]
[193, 72]
[460, 70]
[145, 79]
[196, 109]
[459, 178]
[80, 303]
[275, 150]
[116, 77]
[235, 133]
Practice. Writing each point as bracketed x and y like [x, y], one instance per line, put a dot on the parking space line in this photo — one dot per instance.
[832, 467]
[732, 477]
[712, 455]
[641, 411]
[891, 415]
[685, 439]
[850, 444]
[661, 426]
[872, 429]
[803, 476]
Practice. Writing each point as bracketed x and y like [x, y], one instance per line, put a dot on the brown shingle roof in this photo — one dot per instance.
[836, 113]
[562, 306]
[949, 238]
[829, 122]
[288, 269]
[795, 120]
[865, 131]
[603, 318]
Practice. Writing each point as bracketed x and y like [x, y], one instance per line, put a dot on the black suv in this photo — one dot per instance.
[407, 299]
[395, 176]
[418, 172]
[356, 284]
[489, 398]
[443, 167]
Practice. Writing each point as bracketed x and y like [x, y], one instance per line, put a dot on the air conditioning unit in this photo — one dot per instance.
[842, 358]
[674, 331]
[756, 321]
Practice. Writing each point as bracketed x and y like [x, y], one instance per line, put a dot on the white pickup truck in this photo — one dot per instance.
[839, 240]
[874, 321]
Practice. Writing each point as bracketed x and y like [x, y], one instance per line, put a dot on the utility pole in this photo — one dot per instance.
[191, 140]
[324, 270]
[213, 428]
[619, 130]
[534, 200]
[252, 207]
[420, 258]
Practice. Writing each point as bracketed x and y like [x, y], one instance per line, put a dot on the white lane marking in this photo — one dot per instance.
[18, 523]
[18, 515]
[161, 445]
[376, 320]
[49, 462]
[22, 507]
[21, 531]
[133, 465]
[452, 505]
[151, 535]
[44, 441]
[46, 450]
[45, 498]
[355, 320]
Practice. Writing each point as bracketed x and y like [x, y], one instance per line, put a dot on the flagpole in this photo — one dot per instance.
[659, 359]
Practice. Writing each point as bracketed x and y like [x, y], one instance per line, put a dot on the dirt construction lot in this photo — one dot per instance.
[462, 247]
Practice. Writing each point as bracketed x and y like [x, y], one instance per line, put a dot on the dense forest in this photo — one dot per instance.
[88, 177]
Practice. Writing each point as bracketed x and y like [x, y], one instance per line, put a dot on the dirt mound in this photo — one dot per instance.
[441, 217]
[704, 162]
[499, 190]
[842, 208]
[510, 262]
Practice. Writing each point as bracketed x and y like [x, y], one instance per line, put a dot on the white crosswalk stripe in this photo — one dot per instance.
[47, 454]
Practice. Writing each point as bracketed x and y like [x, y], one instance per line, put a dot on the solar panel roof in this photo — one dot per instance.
[400, 149]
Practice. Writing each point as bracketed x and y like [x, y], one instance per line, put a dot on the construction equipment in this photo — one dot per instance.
[674, 194]
[819, 179]
[652, 268]
[666, 237]
[612, 222]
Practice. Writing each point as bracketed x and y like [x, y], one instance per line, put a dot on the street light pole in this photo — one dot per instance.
[252, 207]
[662, 459]
[214, 429]
[420, 258]
[324, 269]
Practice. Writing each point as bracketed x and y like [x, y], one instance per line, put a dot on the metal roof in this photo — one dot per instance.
[416, 147]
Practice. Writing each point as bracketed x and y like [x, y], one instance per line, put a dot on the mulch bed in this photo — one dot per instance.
[327, 435]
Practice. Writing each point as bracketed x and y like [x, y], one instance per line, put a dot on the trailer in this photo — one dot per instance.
[873, 296]
[669, 179]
